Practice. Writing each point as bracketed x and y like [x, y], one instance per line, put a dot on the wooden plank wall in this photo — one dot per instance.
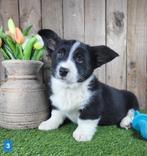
[116, 39]
[137, 49]
[95, 20]
[122, 25]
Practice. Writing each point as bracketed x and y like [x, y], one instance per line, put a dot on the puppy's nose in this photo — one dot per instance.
[63, 71]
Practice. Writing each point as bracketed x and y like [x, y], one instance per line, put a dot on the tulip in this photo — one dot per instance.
[10, 34]
[19, 36]
[39, 44]
[11, 26]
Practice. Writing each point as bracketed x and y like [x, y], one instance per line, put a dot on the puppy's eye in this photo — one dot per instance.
[79, 59]
[61, 52]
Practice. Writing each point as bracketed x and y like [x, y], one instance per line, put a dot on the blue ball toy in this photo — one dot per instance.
[140, 123]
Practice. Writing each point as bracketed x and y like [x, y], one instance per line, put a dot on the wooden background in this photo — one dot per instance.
[120, 24]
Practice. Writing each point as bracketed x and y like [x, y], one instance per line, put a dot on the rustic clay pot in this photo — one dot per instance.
[23, 103]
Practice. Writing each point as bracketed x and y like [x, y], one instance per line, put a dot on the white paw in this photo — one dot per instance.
[126, 122]
[47, 125]
[80, 135]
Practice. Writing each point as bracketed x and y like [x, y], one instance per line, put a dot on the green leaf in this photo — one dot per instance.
[2, 34]
[10, 43]
[5, 55]
[27, 30]
[9, 52]
[38, 54]
[19, 51]
[35, 54]
[28, 48]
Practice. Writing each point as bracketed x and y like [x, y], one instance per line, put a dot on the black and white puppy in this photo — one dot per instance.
[76, 93]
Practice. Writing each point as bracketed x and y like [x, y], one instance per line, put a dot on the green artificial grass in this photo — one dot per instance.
[108, 140]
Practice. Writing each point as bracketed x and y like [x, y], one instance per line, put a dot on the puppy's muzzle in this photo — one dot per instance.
[63, 71]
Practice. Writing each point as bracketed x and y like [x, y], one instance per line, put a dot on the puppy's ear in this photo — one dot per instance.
[102, 54]
[50, 38]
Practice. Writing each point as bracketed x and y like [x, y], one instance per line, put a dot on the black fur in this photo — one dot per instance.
[108, 103]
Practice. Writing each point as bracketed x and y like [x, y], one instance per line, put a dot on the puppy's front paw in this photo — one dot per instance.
[81, 135]
[47, 125]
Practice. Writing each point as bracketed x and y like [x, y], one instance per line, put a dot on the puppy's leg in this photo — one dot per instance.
[85, 130]
[127, 120]
[53, 122]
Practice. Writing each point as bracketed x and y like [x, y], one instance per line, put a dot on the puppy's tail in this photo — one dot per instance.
[132, 106]
[132, 101]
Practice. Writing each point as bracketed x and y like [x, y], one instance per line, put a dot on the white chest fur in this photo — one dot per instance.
[69, 98]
